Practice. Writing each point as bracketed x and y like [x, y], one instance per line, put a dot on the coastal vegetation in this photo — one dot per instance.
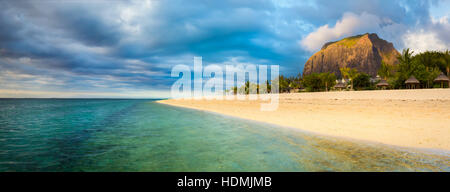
[251, 88]
[319, 81]
[425, 67]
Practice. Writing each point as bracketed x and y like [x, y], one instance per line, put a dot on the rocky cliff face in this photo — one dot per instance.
[363, 52]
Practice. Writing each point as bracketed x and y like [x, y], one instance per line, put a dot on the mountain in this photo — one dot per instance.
[363, 52]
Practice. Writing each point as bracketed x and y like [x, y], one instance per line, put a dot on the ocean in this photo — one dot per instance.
[141, 135]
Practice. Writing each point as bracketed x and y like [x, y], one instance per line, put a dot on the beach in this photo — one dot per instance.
[407, 118]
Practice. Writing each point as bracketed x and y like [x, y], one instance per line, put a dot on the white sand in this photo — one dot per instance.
[409, 118]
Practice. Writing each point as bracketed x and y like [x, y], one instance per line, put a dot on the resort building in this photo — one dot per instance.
[412, 83]
[383, 84]
[340, 84]
[442, 79]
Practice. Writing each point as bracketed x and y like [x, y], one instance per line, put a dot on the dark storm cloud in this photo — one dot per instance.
[87, 26]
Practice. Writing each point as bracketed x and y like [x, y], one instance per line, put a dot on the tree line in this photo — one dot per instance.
[425, 67]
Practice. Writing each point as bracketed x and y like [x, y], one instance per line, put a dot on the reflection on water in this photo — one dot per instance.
[139, 135]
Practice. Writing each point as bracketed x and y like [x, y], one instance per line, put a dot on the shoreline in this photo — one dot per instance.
[404, 118]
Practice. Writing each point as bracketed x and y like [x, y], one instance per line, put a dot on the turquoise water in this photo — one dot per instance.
[140, 135]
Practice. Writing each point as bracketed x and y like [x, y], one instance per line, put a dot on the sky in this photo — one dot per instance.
[126, 48]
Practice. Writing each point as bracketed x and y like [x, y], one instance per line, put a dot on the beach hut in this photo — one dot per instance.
[412, 83]
[340, 86]
[442, 79]
[382, 84]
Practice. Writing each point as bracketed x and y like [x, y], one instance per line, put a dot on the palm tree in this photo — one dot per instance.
[344, 72]
[406, 57]
[349, 73]
[353, 73]
[446, 62]
[405, 65]
[235, 90]
[247, 87]
[385, 70]
[328, 78]
[283, 84]
[268, 86]
[428, 59]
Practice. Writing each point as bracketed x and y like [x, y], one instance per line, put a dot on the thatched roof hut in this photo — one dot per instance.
[412, 82]
[339, 86]
[383, 84]
[441, 79]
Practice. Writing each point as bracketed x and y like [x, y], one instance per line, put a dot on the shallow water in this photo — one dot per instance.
[140, 135]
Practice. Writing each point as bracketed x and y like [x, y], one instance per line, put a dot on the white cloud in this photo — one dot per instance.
[434, 36]
[423, 40]
[348, 25]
